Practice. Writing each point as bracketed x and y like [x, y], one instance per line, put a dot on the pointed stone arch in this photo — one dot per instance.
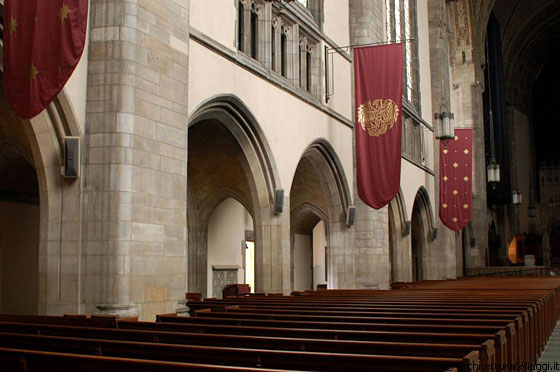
[422, 230]
[226, 126]
[399, 239]
[59, 209]
[319, 191]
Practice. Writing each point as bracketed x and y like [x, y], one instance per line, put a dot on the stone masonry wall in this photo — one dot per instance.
[365, 262]
[134, 251]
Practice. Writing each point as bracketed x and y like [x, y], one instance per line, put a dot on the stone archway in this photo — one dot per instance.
[399, 240]
[31, 157]
[424, 259]
[319, 192]
[228, 157]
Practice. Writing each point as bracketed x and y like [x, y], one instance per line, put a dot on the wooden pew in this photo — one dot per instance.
[236, 356]
[30, 360]
[403, 332]
[486, 350]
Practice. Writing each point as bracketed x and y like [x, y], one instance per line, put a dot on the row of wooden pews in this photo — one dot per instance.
[463, 325]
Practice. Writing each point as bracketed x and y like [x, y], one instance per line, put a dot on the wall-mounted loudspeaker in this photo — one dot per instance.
[434, 233]
[278, 200]
[350, 215]
[406, 228]
[71, 157]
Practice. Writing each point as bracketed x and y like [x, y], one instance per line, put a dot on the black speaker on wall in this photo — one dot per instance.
[71, 157]
[350, 215]
[278, 200]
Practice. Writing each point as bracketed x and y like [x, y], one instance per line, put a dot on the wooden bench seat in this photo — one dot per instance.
[232, 356]
[486, 350]
[14, 360]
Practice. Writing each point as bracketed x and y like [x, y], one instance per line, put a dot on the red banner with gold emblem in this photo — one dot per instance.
[378, 74]
[43, 42]
[455, 171]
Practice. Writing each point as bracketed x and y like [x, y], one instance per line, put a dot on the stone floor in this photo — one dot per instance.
[551, 355]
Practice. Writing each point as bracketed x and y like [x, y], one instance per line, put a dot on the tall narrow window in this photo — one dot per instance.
[400, 17]
[254, 34]
[300, 67]
[273, 48]
[284, 55]
[241, 25]
[308, 70]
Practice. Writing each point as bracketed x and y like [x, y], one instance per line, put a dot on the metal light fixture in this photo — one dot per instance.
[516, 197]
[493, 173]
[492, 169]
[445, 125]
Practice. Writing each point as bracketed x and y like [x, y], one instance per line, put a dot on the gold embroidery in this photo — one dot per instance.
[378, 117]
[63, 12]
[33, 72]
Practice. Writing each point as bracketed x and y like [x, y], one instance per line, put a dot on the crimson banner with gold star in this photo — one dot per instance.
[378, 72]
[455, 179]
[43, 42]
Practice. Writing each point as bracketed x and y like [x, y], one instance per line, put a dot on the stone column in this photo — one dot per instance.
[448, 264]
[364, 263]
[467, 99]
[134, 250]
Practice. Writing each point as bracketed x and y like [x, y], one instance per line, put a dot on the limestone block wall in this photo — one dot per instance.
[365, 262]
[134, 199]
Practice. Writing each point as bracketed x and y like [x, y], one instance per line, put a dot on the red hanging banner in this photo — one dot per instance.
[43, 42]
[378, 74]
[455, 180]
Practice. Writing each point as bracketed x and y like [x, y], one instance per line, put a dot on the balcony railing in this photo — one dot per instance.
[415, 136]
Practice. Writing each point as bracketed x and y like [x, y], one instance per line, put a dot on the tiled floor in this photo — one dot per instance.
[551, 354]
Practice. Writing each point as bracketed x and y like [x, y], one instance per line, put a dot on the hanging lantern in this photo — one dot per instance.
[445, 125]
[516, 197]
[493, 173]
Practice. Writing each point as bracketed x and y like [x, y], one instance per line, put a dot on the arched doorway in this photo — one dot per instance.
[398, 240]
[229, 228]
[423, 256]
[229, 162]
[19, 217]
[318, 201]
[418, 243]
[309, 236]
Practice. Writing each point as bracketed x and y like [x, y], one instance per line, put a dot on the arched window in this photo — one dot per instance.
[284, 55]
[273, 48]
[254, 35]
[240, 25]
[400, 25]
[308, 70]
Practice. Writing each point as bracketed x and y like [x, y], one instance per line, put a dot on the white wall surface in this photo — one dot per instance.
[226, 233]
[216, 19]
[302, 262]
[319, 243]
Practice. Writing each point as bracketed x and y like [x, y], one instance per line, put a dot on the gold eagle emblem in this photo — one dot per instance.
[378, 117]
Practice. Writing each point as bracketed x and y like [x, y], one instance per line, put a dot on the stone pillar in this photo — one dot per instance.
[134, 244]
[448, 263]
[467, 101]
[364, 262]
